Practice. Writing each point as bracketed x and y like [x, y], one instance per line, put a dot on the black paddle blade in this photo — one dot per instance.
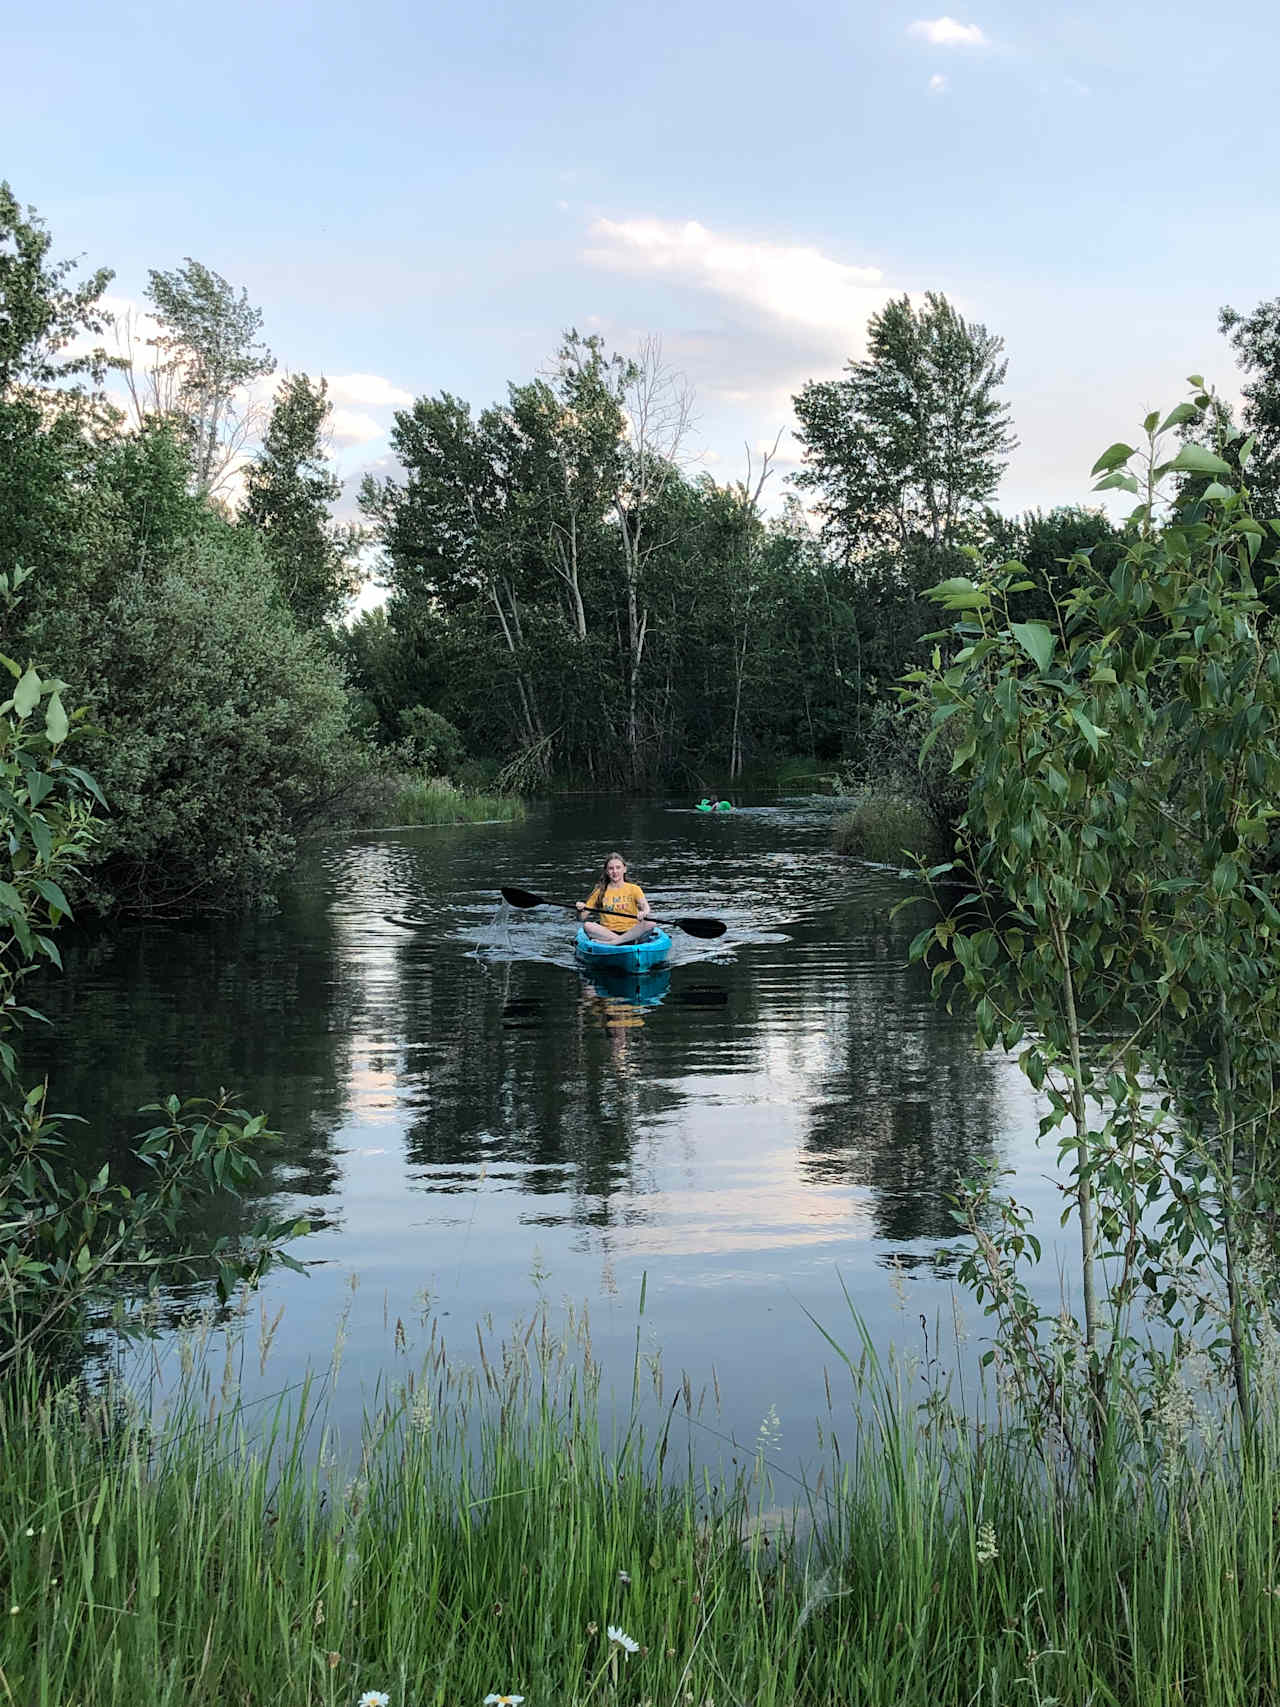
[521, 898]
[702, 927]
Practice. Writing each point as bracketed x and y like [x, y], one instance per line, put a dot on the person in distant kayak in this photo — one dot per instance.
[624, 912]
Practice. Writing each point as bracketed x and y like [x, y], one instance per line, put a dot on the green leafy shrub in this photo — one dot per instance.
[70, 1243]
[437, 745]
[1122, 762]
[221, 731]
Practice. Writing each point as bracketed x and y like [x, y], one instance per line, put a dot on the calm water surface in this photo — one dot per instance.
[469, 1118]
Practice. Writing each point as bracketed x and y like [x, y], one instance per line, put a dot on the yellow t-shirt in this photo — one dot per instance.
[620, 903]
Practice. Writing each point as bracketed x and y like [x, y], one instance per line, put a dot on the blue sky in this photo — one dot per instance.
[420, 198]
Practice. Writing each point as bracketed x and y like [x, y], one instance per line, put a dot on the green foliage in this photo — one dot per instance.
[71, 1245]
[223, 729]
[1047, 543]
[45, 811]
[1255, 338]
[888, 828]
[219, 729]
[492, 1525]
[913, 438]
[289, 490]
[205, 355]
[1123, 762]
[513, 612]
[436, 745]
[436, 800]
[42, 315]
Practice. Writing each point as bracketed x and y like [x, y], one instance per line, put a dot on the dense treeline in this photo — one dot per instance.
[567, 605]
[570, 599]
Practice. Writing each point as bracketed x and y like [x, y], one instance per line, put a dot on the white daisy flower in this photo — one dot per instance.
[374, 1698]
[620, 1639]
[503, 1700]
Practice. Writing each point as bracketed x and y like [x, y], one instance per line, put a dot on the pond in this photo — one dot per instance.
[472, 1124]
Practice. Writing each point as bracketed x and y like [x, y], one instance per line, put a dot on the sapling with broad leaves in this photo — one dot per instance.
[1121, 928]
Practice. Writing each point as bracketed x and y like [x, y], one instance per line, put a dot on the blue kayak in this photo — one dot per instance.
[633, 955]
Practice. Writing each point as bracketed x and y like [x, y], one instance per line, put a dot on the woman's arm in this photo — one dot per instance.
[642, 906]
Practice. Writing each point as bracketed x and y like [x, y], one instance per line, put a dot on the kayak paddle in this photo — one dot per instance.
[691, 927]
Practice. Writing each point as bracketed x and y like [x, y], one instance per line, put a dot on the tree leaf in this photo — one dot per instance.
[55, 720]
[1089, 730]
[53, 894]
[958, 593]
[1112, 457]
[1036, 640]
[27, 693]
[1175, 417]
[1195, 459]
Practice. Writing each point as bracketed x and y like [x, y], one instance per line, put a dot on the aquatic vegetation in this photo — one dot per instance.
[436, 800]
[889, 828]
[543, 1535]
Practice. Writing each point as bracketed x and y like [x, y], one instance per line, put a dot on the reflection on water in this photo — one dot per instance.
[773, 1116]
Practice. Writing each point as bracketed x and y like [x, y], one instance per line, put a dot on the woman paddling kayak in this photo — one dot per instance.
[623, 914]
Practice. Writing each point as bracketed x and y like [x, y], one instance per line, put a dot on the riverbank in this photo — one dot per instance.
[493, 1533]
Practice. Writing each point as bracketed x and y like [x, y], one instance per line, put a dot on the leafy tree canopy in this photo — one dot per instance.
[289, 491]
[914, 438]
[207, 356]
[1255, 338]
[40, 314]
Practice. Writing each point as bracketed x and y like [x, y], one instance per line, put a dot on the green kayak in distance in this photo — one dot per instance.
[705, 805]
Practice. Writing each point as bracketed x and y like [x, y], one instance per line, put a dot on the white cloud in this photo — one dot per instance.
[786, 282]
[946, 32]
[351, 427]
[367, 390]
[937, 83]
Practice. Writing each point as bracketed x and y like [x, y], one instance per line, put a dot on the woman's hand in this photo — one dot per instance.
[581, 906]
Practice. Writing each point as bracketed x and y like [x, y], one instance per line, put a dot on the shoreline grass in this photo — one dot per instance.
[887, 827]
[436, 800]
[490, 1531]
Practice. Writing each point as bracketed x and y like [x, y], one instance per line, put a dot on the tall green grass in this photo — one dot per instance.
[883, 825]
[436, 800]
[494, 1522]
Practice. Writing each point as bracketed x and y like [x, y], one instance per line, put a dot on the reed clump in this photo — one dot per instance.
[505, 1529]
[888, 827]
[437, 800]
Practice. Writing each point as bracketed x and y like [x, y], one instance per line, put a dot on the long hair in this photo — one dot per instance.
[596, 897]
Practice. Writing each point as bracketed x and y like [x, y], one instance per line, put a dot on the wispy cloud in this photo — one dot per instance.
[353, 427]
[937, 83]
[947, 32]
[764, 317]
[366, 391]
[790, 283]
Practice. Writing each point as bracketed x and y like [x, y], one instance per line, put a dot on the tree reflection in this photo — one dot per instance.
[910, 1105]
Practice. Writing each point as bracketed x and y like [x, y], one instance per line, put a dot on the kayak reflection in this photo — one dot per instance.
[621, 998]
[631, 989]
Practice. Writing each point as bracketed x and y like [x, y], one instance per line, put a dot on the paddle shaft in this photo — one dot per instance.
[692, 927]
